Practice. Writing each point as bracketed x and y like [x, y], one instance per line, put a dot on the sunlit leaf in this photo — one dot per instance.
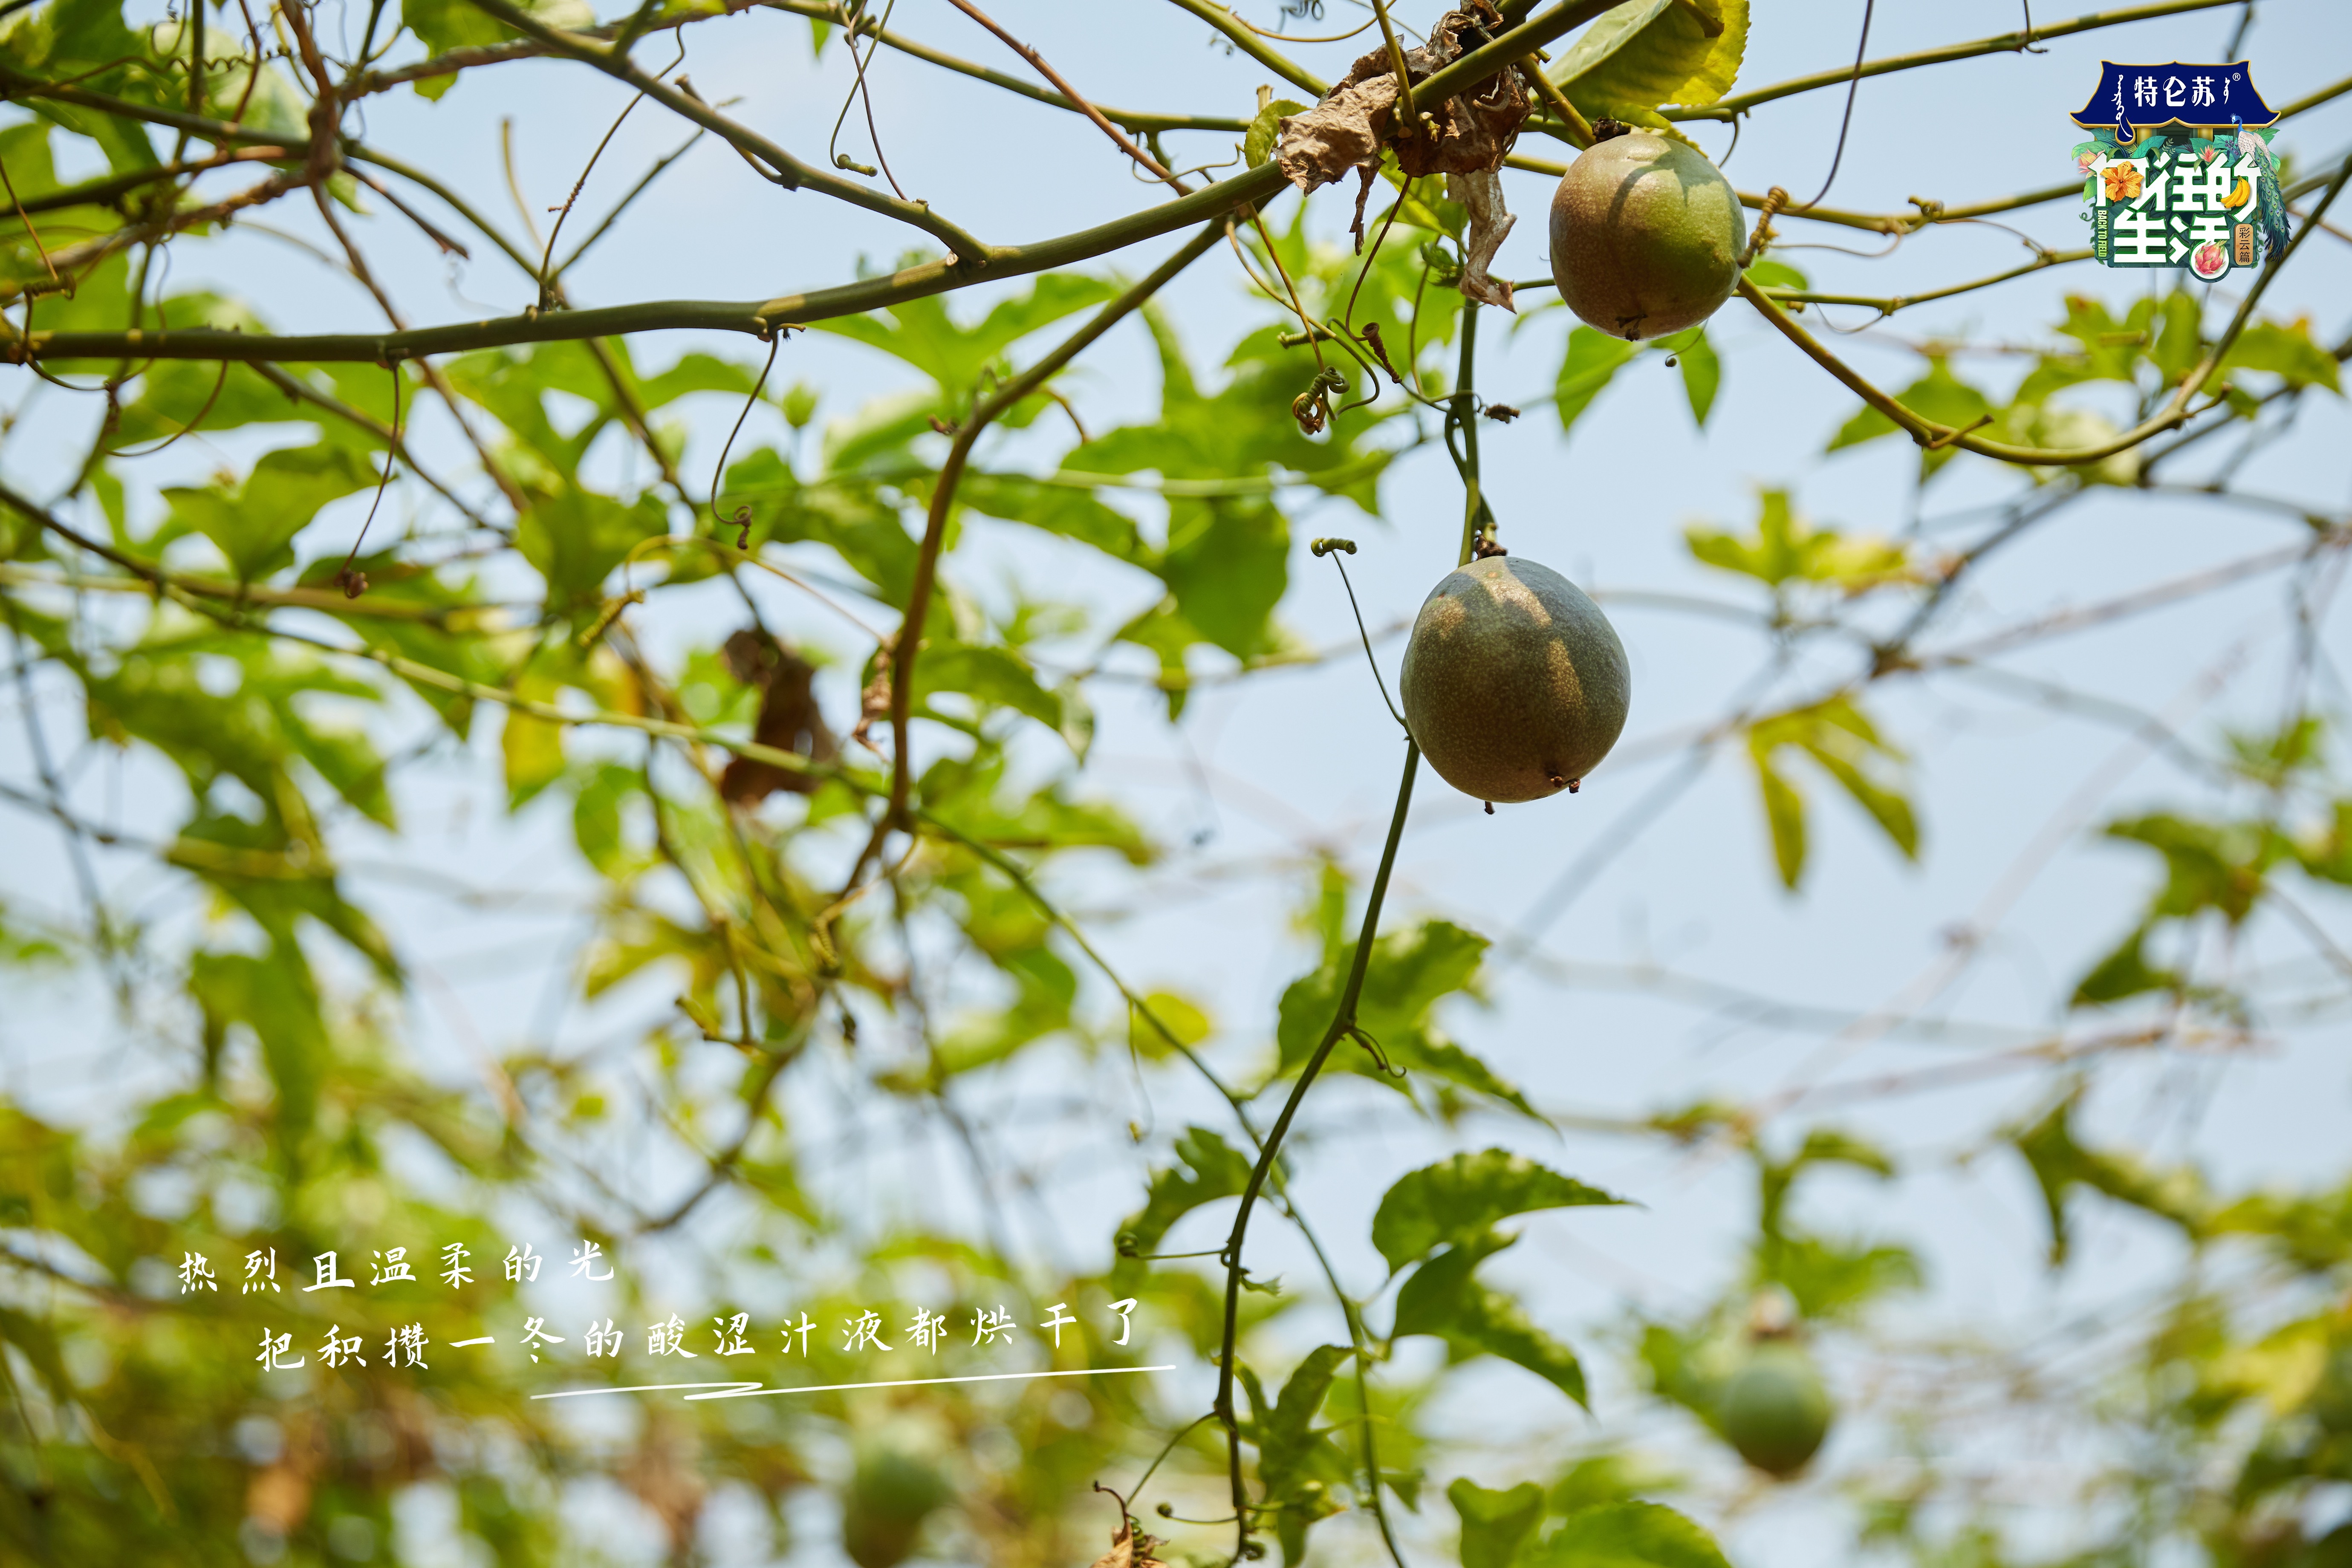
[1647, 53]
[1459, 1199]
[1494, 1524]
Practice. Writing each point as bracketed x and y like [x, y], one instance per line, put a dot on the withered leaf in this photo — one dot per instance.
[1481, 192]
[1469, 132]
[1128, 1552]
[790, 719]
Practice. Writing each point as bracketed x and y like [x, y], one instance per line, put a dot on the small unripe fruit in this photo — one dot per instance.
[1515, 684]
[1774, 1409]
[1645, 235]
[891, 1493]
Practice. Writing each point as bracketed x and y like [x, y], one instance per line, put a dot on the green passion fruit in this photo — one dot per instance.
[1645, 235]
[1774, 1409]
[1515, 684]
[891, 1493]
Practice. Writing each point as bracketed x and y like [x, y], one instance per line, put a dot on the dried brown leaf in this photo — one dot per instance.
[1129, 1552]
[1481, 192]
[1469, 132]
[790, 719]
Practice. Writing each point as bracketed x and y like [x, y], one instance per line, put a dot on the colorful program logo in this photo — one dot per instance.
[2178, 170]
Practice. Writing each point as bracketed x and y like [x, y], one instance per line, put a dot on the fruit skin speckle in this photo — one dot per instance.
[1646, 236]
[1515, 684]
[1774, 1410]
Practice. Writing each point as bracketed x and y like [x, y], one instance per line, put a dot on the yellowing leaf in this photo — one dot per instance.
[1257, 147]
[1786, 548]
[533, 748]
[1841, 740]
[2287, 350]
[1651, 52]
[1939, 396]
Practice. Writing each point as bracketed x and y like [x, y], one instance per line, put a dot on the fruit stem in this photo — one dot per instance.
[1467, 419]
[1402, 116]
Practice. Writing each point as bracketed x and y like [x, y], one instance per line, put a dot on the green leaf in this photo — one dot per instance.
[2060, 1163]
[2286, 351]
[255, 524]
[1208, 1169]
[869, 534]
[1841, 740]
[576, 537]
[274, 995]
[532, 748]
[2327, 854]
[1442, 1298]
[1593, 356]
[2180, 343]
[445, 24]
[924, 334]
[2222, 866]
[350, 764]
[1459, 1199]
[1227, 565]
[1939, 396]
[1702, 372]
[173, 392]
[696, 373]
[1651, 52]
[993, 675]
[1494, 1524]
[1411, 971]
[1283, 1433]
[1784, 814]
[2207, 865]
[24, 149]
[1628, 1535]
[1828, 1277]
[1297, 1465]
[1424, 204]
[1266, 129]
[1065, 509]
[1767, 273]
[1787, 548]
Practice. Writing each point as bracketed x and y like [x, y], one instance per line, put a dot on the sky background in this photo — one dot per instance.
[1262, 774]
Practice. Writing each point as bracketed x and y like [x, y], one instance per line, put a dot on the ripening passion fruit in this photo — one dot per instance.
[1515, 684]
[891, 1493]
[1645, 235]
[1774, 1409]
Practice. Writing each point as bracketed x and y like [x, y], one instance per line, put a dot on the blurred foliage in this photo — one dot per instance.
[294, 689]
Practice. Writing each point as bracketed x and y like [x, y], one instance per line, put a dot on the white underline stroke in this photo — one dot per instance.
[754, 1390]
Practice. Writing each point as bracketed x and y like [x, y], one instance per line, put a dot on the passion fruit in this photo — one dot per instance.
[1645, 235]
[1515, 684]
[891, 1493]
[1774, 1409]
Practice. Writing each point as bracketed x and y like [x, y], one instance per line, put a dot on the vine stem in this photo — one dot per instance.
[1731, 107]
[1343, 1020]
[2175, 412]
[1465, 414]
[787, 170]
[919, 597]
